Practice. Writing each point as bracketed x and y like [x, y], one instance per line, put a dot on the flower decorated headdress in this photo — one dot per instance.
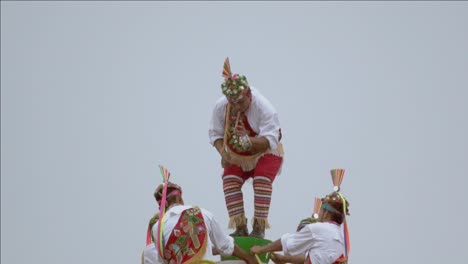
[336, 200]
[234, 84]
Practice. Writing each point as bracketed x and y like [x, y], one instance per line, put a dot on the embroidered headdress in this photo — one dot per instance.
[172, 190]
[234, 85]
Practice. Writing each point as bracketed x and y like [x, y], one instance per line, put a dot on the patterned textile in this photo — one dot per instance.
[262, 198]
[188, 239]
[232, 186]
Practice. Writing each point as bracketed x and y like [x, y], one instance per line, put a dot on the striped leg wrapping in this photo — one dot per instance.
[232, 186]
[262, 189]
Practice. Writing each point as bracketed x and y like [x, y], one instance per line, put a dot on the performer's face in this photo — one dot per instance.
[239, 103]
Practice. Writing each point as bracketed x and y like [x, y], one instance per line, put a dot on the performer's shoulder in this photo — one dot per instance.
[221, 101]
[262, 105]
[220, 104]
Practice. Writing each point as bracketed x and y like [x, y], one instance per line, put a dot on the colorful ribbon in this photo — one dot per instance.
[148, 235]
[165, 174]
[345, 227]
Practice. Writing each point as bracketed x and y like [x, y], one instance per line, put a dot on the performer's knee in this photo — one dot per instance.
[262, 184]
[232, 183]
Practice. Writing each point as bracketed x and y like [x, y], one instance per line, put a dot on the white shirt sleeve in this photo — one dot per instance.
[269, 128]
[297, 243]
[150, 255]
[216, 130]
[267, 118]
[221, 241]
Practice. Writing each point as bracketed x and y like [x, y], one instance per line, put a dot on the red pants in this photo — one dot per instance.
[268, 166]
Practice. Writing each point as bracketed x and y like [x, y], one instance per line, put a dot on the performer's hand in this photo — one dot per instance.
[214, 251]
[226, 155]
[222, 151]
[256, 250]
[240, 129]
[277, 258]
[225, 163]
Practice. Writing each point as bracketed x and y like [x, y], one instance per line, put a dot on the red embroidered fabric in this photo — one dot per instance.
[187, 242]
[341, 260]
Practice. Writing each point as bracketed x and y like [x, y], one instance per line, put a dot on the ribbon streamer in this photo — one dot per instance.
[165, 175]
[345, 227]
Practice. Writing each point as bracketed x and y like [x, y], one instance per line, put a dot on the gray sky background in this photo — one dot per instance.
[94, 95]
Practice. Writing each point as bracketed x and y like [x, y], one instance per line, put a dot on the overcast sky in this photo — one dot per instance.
[95, 95]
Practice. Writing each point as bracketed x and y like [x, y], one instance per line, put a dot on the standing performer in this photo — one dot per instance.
[187, 234]
[324, 242]
[245, 130]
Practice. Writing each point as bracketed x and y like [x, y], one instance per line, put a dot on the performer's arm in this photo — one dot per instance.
[224, 156]
[274, 246]
[280, 259]
[240, 253]
[219, 146]
[259, 144]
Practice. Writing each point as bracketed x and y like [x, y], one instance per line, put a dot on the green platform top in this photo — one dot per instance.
[246, 243]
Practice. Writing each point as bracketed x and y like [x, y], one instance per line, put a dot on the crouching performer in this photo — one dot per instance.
[189, 234]
[323, 242]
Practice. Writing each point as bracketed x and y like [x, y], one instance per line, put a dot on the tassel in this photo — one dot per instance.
[337, 177]
[261, 222]
[227, 74]
[237, 220]
[317, 206]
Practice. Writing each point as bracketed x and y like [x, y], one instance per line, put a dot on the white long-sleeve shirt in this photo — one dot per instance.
[322, 242]
[261, 114]
[216, 236]
[150, 255]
